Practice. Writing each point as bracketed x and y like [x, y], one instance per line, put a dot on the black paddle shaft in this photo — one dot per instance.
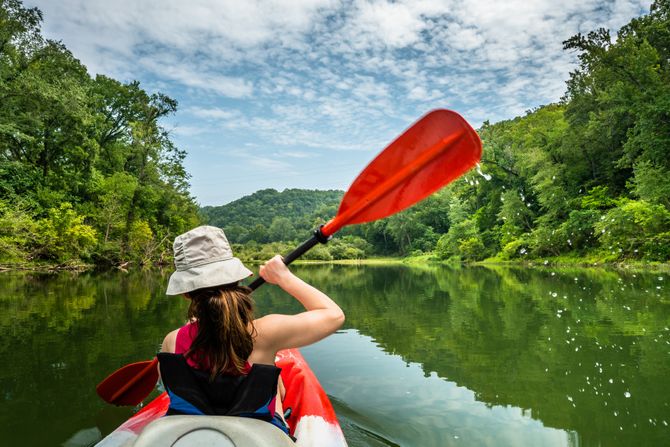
[317, 237]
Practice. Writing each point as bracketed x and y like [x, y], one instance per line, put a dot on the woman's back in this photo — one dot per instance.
[223, 339]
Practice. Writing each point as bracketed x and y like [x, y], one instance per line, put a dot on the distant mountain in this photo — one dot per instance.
[269, 215]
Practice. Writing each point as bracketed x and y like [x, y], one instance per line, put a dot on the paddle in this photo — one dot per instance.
[434, 151]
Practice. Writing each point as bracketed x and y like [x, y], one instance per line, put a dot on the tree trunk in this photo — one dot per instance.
[44, 155]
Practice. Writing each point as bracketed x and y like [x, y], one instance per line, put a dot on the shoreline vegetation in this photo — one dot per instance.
[427, 260]
[89, 177]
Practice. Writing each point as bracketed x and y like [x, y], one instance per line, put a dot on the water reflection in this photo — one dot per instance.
[430, 356]
[381, 394]
[59, 336]
[586, 351]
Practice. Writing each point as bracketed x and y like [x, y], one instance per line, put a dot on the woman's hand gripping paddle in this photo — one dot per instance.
[434, 151]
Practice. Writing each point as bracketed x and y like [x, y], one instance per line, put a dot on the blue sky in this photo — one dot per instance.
[304, 93]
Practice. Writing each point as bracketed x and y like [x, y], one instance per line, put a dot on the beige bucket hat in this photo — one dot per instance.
[203, 258]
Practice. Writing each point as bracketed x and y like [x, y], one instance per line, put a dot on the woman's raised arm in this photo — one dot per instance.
[321, 318]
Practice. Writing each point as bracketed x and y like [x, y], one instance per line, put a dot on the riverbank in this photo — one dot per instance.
[430, 259]
[632, 265]
[365, 261]
[47, 267]
[415, 261]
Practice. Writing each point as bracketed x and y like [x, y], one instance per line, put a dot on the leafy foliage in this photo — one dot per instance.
[65, 235]
[588, 175]
[627, 228]
[86, 170]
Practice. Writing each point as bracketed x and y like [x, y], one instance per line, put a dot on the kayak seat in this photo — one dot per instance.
[219, 431]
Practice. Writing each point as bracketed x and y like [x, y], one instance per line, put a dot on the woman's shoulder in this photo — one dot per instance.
[267, 321]
[170, 341]
[264, 334]
[265, 327]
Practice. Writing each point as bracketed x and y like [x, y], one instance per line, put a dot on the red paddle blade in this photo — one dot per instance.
[434, 151]
[130, 384]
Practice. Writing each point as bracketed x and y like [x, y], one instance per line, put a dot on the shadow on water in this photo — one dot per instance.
[483, 355]
[360, 429]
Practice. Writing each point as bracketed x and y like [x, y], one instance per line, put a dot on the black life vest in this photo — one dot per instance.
[192, 392]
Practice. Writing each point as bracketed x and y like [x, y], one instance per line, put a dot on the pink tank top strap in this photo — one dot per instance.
[185, 337]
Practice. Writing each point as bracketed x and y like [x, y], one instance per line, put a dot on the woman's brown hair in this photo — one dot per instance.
[225, 316]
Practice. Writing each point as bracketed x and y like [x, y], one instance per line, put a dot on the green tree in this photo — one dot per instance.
[64, 235]
[625, 231]
[114, 195]
[258, 233]
[281, 229]
[651, 183]
[451, 243]
[97, 145]
[19, 233]
[408, 232]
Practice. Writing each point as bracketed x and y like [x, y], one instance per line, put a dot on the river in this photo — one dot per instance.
[428, 356]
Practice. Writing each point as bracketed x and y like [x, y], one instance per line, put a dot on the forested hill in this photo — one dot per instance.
[268, 215]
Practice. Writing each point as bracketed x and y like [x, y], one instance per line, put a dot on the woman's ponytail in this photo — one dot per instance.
[225, 316]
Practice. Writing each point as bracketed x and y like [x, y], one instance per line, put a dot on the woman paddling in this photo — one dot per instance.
[222, 361]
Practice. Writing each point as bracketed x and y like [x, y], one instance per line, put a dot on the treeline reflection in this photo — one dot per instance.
[579, 349]
[584, 350]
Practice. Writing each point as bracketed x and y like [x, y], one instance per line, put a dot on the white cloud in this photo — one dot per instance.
[295, 154]
[269, 164]
[226, 47]
[188, 131]
[112, 37]
[255, 158]
[189, 76]
[380, 23]
[214, 113]
[465, 39]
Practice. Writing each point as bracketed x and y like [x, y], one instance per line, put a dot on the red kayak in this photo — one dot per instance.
[312, 420]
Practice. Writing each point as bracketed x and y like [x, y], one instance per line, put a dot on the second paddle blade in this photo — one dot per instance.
[129, 385]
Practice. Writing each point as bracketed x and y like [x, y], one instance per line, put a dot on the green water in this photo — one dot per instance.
[427, 357]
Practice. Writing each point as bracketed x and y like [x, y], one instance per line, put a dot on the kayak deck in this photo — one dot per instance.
[312, 420]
